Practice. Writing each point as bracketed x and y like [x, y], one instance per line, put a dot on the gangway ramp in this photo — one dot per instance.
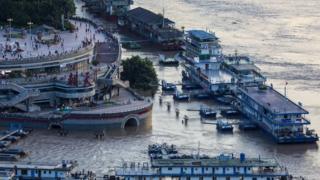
[23, 94]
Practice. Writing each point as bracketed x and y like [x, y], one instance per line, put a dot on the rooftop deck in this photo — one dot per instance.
[225, 161]
[273, 101]
[202, 35]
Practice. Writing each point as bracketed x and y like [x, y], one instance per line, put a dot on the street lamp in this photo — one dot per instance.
[9, 20]
[30, 24]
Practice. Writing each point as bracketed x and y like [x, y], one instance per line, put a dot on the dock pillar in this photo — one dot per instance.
[160, 100]
[177, 112]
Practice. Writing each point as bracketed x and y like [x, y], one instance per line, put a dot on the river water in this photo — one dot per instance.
[281, 36]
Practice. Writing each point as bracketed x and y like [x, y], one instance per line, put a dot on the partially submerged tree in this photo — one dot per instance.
[140, 73]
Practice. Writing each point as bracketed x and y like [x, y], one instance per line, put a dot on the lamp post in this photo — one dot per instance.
[30, 25]
[9, 20]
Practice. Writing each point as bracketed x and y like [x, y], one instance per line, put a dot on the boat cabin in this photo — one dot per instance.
[276, 114]
[27, 170]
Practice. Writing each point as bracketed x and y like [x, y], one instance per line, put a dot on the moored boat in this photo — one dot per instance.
[225, 99]
[179, 96]
[168, 86]
[207, 112]
[224, 125]
[247, 125]
[230, 112]
[202, 96]
[168, 61]
[198, 166]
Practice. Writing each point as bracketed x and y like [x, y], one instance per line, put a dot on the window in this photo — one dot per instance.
[170, 168]
[285, 116]
[49, 171]
[24, 171]
[44, 172]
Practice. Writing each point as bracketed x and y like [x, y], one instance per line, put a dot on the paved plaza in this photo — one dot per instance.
[29, 46]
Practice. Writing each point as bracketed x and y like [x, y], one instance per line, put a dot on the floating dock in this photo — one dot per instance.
[284, 120]
[237, 75]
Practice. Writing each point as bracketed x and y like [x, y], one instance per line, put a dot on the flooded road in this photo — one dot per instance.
[281, 36]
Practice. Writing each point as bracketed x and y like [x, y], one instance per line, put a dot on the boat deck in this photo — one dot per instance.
[219, 161]
[37, 165]
[217, 76]
[273, 100]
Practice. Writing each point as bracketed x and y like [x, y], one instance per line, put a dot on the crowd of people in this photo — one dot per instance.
[53, 44]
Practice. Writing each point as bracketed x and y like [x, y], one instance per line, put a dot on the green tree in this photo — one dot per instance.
[140, 73]
[38, 11]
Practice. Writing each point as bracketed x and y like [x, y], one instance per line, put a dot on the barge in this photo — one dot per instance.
[283, 119]
[166, 165]
[48, 171]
